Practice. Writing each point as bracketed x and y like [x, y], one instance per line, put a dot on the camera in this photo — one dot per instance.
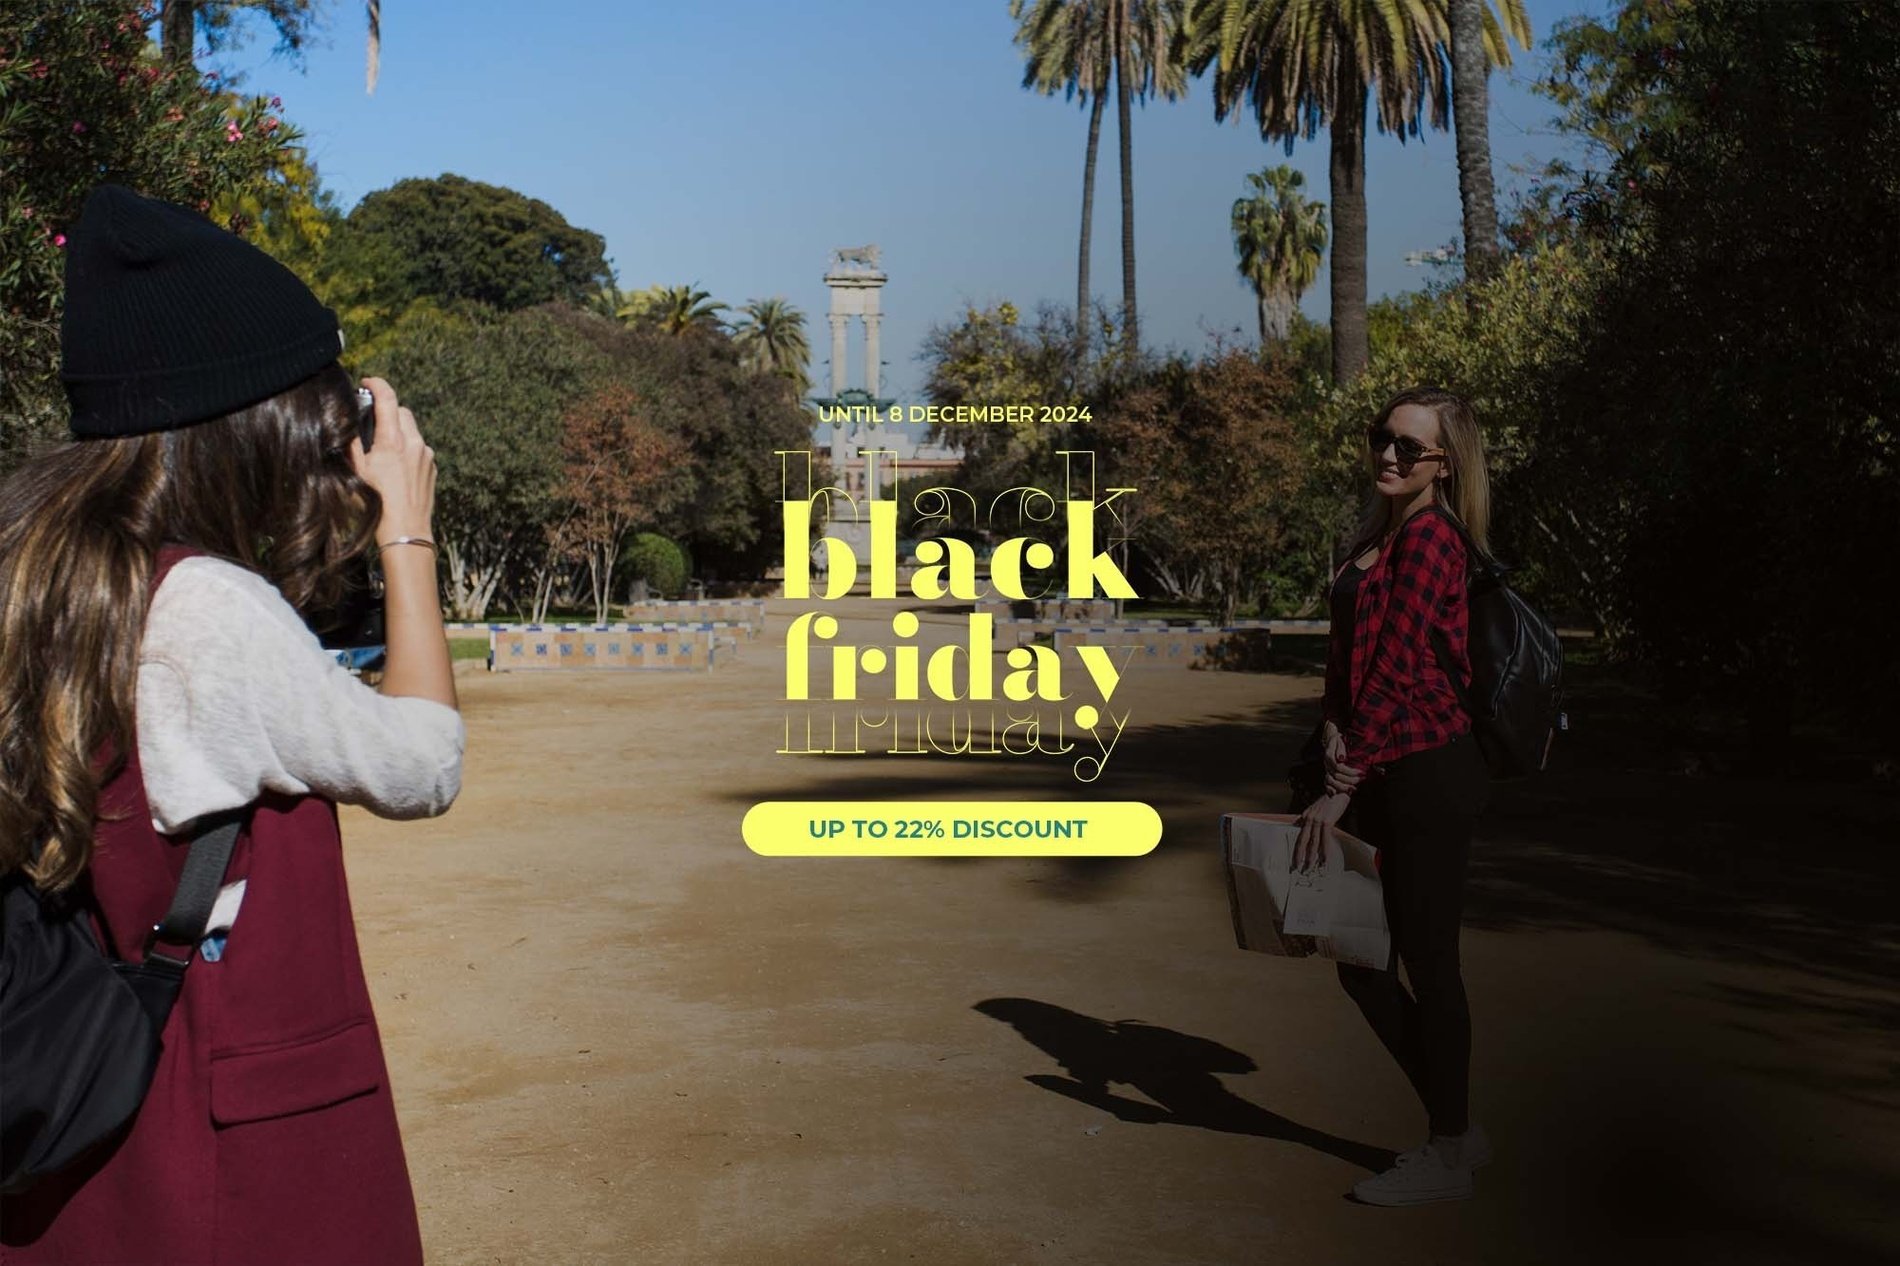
[365, 416]
[358, 620]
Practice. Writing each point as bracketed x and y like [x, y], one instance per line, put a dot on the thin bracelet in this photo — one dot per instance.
[407, 540]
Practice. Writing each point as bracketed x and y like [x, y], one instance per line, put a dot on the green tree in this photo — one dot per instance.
[621, 470]
[993, 355]
[491, 391]
[771, 339]
[1280, 238]
[1504, 342]
[1736, 385]
[1212, 447]
[451, 238]
[1307, 64]
[730, 419]
[84, 99]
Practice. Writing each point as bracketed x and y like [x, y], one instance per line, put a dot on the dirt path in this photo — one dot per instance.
[618, 1036]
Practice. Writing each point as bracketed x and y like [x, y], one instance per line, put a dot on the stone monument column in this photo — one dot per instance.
[854, 280]
[840, 327]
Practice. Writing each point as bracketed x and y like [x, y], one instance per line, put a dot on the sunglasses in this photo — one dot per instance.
[1408, 450]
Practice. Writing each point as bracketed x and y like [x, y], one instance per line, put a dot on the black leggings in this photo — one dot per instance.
[1419, 814]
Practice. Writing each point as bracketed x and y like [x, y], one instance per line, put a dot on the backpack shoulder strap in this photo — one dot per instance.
[197, 892]
[1479, 561]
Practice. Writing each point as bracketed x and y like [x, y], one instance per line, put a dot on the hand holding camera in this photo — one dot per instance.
[390, 456]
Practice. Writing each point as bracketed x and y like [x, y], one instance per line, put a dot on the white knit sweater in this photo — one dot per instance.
[236, 697]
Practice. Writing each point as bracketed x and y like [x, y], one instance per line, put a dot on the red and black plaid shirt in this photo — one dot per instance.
[1392, 697]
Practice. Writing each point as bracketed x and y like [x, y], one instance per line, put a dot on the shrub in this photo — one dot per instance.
[656, 560]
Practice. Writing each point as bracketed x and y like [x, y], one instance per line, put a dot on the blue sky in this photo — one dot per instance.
[733, 145]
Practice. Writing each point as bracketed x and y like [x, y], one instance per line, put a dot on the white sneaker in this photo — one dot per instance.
[1421, 1176]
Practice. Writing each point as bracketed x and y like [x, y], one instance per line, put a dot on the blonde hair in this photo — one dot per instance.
[1465, 492]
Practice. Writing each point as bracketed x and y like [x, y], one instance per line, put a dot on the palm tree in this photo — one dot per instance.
[1066, 49]
[1279, 237]
[1474, 33]
[674, 309]
[1074, 45]
[607, 301]
[771, 338]
[1304, 64]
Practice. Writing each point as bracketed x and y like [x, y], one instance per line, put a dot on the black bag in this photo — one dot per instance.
[79, 1032]
[1515, 700]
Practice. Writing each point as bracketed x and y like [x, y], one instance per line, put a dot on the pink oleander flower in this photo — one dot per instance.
[78, 126]
[269, 125]
[233, 133]
[59, 239]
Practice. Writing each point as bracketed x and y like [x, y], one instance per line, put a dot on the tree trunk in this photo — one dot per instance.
[1347, 271]
[1260, 311]
[1276, 315]
[543, 595]
[1088, 216]
[471, 586]
[1470, 106]
[1131, 334]
[178, 31]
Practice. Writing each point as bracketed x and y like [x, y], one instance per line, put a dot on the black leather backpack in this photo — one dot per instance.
[79, 1032]
[1516, 695]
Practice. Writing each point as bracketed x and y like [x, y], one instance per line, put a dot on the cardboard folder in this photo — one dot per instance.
[1337, 913]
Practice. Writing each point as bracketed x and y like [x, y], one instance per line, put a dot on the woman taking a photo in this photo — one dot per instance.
[159, 576]
[1402, 766]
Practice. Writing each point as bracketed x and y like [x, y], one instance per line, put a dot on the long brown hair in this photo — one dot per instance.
[269, 487]
[1465, 493]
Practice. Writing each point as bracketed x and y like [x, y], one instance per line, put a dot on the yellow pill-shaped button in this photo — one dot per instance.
[951, 828]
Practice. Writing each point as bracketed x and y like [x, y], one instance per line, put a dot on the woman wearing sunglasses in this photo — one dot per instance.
[1401, 765]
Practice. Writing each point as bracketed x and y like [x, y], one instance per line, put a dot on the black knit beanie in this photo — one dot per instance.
[170, 320]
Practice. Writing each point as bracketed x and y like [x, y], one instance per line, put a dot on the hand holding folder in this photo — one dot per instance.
[1337, 912]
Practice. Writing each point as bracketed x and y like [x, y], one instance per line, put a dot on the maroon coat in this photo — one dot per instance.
[269, 1135]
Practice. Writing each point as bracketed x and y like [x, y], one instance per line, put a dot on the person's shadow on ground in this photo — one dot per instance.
[1178, 1071]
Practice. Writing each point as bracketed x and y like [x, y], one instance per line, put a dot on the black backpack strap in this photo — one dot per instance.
[1442, 649]
[1480, 563]
[210, 855]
